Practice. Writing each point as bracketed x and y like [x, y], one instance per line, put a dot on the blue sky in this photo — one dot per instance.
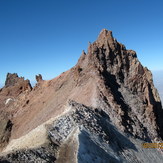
[48, 36]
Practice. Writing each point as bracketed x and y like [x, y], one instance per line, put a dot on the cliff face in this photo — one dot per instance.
[107, 94]
[131, 99]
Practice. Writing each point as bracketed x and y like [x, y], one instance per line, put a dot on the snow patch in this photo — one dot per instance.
[8, 101]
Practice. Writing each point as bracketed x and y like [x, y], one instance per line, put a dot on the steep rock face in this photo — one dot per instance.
[14, 88]
[131, 99]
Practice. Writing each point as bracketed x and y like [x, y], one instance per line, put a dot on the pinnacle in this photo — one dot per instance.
[105, 34]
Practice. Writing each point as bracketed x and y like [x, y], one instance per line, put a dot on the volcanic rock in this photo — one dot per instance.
[131, 99]
[107, 103]
[15, 85]
[39, 78]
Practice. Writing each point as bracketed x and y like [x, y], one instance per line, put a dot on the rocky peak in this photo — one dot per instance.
[11, 79]
[106, 38]
[125, 77]
[39, 78]
[111, 56]
[14, 85]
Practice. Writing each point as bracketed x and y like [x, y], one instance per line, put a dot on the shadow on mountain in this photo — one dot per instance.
[90, 152]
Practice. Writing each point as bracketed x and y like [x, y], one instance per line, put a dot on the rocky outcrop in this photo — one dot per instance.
[131, 99]
[39, 78]
[11, 79]
[15, 85]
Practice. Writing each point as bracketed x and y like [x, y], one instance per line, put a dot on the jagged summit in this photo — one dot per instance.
[11, 79]
[39, 78]
[106, 37]
[124, 75]
[15, 85]
[110, 84]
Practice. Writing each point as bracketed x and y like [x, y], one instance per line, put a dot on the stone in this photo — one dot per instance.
[39, 78]
[11, 79]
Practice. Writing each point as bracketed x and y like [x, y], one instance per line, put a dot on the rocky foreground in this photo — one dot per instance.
[101, 110]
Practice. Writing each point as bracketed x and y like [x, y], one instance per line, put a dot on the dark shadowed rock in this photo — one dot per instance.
[5, 130]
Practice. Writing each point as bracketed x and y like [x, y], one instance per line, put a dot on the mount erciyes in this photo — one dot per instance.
[101, 110]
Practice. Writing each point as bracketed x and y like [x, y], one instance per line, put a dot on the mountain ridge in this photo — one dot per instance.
[107, 82]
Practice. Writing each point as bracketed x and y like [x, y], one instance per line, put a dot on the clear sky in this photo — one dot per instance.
[48, 36]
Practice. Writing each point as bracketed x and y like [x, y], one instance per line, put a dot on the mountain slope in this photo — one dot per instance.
[107, 97]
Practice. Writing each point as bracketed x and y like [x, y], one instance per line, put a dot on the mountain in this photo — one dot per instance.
[101, 110]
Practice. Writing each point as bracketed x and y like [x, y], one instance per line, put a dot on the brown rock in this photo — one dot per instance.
[39, 78]
[128, 82]
[15, 85]
[11, 79]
